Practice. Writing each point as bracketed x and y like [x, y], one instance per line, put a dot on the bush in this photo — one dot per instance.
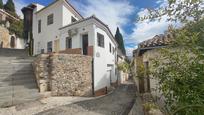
[180, 71]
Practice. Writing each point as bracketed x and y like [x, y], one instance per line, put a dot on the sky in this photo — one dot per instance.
[117, 13]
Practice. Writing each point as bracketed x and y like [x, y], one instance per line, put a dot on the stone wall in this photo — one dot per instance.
[41, 69]
[67, 74]
[4, 37]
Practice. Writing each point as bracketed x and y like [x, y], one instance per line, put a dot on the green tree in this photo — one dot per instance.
[119, 39]
[181, 10]
[16, 28]
[1, 4]
[10, 7]
[180, 71]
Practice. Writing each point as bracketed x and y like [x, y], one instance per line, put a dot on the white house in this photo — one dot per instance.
[58, 27]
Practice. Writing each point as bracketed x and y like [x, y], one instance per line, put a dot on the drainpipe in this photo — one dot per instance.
[93, 93]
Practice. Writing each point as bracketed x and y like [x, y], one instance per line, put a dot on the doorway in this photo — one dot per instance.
[85, 44]
[12, 42]
[56, 45]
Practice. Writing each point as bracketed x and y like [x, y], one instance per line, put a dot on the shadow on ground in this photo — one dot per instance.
[117, 103]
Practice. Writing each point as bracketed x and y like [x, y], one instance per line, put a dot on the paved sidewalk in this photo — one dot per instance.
[35, 107]
[117, 103]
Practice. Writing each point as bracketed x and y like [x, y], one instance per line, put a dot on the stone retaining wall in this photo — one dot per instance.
[41, 70]
[67, 74]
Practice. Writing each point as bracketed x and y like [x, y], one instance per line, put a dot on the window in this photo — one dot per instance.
[68, 42]
[73, 19]
[39, 26]
[110, 47]
[50, 19]
[49, 46]
[100, 39]
[42, 51]
[113, 50]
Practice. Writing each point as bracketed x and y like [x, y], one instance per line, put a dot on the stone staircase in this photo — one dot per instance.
[17, 80]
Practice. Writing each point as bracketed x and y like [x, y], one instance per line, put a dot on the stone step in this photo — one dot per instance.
[10, 101]
[16, 70]
[18, 87]
[17, 77]
[21, 93]
[13, 73]
[15, 65]
[12, 52]
[17, 82]
[16, 61]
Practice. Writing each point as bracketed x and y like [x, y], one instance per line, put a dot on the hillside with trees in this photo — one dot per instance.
[10, 8]
[16, 27]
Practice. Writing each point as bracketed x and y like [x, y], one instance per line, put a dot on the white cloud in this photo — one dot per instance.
[147, 29]
[19, 4]
[129, 50]
[113, 13]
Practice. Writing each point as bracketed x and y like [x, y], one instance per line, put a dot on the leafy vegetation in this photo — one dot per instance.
[180, 66]
[178, 10]
[119, 39]
[180, 71]
[125, 67]
[10, 8]
[1, 4]
[16, 28]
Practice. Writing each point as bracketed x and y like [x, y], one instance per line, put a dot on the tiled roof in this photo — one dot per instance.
[158, 40]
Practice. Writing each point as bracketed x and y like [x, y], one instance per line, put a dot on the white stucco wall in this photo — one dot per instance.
[101, 62]
[82, 28]
[48, 32]
[20, 43]
[66, 19]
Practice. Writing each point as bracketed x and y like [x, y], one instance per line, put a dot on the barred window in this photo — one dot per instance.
[50, 19]
[39, 26]
[100, 39]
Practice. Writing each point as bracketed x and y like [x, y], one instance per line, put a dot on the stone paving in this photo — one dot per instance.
[117, 103]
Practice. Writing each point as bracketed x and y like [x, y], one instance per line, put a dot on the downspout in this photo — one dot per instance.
[93, 93]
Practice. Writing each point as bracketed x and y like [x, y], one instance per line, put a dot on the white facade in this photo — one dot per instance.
[104, 60]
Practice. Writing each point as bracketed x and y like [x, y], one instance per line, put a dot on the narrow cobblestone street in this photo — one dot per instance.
[117, 103]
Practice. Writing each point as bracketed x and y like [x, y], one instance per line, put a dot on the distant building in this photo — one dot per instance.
[8, 40]
[146, 51]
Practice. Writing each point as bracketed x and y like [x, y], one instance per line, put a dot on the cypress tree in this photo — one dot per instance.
[119, 39]
[1, 4]
[10, 7]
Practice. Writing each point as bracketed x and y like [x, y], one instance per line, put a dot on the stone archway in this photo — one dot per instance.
[12, 42]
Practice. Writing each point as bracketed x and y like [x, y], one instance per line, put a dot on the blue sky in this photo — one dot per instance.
[117, 13]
